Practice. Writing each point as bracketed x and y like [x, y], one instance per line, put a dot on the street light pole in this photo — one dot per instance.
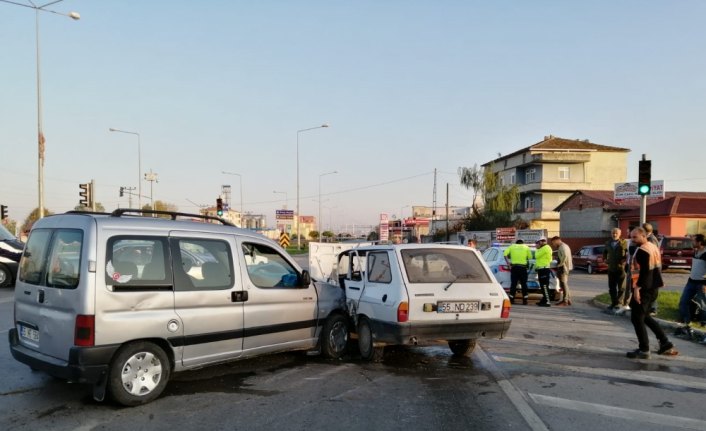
[319, 221]
[299, 239]
[40, 129]
[139, 165]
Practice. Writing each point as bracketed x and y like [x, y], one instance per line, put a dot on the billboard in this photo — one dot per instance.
[625, 191]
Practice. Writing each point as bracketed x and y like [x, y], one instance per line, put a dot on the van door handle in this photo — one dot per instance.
[239, 296]
[40, 296]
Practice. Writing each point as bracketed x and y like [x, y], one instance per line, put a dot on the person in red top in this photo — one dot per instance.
[647, 258]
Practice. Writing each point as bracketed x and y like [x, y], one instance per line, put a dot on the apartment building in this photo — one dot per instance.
[549, 171]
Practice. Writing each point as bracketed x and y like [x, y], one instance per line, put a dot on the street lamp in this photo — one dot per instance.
[285, 198]
[139, 165]
[40, 130]
[240, 178]
[299, 239]
[321, 175]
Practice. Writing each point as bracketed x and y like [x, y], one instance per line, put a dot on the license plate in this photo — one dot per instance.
[30, 334]
[678, 261]
[458, 307]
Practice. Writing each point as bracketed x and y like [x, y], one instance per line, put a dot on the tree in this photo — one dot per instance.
[99, 208]
[373, 236]
[161, 206]
[327, 234]
[314, 234]
[499, 200]
[33, 217]
[472, 178]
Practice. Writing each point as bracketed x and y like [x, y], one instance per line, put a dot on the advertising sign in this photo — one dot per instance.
[384, 227]
[625, 191]
[284, 214]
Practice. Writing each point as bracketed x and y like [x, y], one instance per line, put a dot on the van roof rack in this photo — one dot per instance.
[173, 214]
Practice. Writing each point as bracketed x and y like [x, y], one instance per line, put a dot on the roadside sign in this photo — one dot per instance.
[505, 234]
[284, 214]
[284, 239]
[384, 227]
[624, 191]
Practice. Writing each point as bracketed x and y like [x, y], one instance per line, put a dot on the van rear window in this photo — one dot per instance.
[52, 258]
[677, 244]
[435, 265]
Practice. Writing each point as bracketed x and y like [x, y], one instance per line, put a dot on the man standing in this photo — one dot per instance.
[695, 284]
[564, 264]
[518, 256]
[648, 258]
[543, 260]
[615, 254]
[649, 230]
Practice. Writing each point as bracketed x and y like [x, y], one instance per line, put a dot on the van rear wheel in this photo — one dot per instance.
[462, 347]
[138, 373]
[368, 351]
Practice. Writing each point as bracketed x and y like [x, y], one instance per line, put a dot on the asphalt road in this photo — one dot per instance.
[559, 368]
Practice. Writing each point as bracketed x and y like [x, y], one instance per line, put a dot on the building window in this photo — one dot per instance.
[530, 175]
[512, 178]
[564, 173]
[529, 204]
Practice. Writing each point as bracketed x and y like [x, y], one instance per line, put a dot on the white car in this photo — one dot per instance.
[495, 259]
[416, 294]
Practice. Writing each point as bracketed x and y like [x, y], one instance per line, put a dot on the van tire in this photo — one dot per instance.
[462, 347]
[366, 344]
[139, 362]
[5, 276]
[334, 337]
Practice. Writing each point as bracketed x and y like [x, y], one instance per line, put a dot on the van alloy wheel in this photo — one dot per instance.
[334, 337]
[5, 276]
[138, 374]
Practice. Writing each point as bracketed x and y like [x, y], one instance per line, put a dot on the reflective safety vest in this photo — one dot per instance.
[543, 256]
[519, 254]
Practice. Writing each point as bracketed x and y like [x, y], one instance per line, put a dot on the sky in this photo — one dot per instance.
[407, 87]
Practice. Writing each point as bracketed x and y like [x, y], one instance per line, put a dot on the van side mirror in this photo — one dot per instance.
[305, 279]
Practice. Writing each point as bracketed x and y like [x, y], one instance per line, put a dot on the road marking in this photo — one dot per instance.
[648, 377]
[8, 299]
[514, 394]
[619, 412]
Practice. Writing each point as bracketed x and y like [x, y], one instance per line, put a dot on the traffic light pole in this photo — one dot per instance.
[643, 198]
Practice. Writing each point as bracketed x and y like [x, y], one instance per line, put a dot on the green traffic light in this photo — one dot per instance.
[219, 212]
[643, 190]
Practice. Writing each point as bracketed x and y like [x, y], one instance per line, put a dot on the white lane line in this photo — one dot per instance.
[655, 377]
[619, 412]
[514, 394]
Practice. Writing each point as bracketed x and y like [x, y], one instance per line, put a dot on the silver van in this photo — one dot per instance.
[122, 301]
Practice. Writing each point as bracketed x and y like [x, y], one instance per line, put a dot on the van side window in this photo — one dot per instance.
[358, 264]
[202, 264]
[379, 268]
[133, 261]
[52, 258]
[267, 268]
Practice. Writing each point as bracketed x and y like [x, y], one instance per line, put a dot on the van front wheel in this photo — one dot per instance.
[138, 374]
[334, 337]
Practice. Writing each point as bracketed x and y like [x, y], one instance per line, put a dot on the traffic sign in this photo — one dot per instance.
[284, 239]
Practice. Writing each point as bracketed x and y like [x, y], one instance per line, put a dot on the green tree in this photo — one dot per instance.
[314, 234]
[499, 200]
[327, 234]
[99, 208]
[472, 178]
[33, 217]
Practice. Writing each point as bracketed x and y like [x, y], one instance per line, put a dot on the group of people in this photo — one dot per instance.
[634, 279]
[518, 256]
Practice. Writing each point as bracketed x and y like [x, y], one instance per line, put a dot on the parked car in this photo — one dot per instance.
[590, 258]
[10, 253]
[493, 256]
[677, 252]
[416, 294]
[122, 302]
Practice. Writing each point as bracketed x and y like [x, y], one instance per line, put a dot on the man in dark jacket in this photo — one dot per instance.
[615, 253]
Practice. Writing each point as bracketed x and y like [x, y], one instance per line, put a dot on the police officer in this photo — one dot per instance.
[518, 256]
[543, 260]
